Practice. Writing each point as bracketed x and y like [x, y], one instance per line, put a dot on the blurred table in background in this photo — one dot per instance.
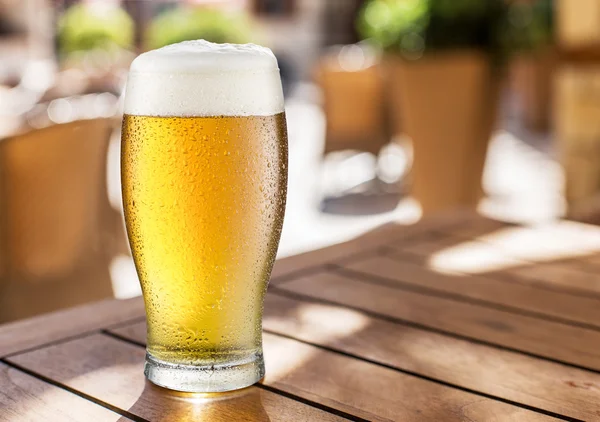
[457, 317]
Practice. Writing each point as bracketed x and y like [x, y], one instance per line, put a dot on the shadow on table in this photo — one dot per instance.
[242, 405]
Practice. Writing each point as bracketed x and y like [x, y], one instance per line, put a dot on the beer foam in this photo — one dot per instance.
[199, 78]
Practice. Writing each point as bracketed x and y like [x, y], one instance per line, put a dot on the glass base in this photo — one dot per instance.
[205, 379]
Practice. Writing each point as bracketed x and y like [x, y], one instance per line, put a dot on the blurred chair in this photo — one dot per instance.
[55, 239]
[354, 101]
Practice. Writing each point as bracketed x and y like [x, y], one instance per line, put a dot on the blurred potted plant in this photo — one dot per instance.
[191, 23]
[443, 60]
[96, 38]
[86, 27]
[533, 67]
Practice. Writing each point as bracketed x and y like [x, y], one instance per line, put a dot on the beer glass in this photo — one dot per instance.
[203, 162]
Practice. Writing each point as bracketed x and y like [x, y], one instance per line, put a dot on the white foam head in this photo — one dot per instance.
[199, 78]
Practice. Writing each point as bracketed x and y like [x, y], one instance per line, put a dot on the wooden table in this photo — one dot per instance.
[454, 318]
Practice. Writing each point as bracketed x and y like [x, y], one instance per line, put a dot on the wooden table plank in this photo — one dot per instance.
[592, 261]
[471, 225]
[556, 238]
[24, 398]
[398, 269]
[33, 332]
[112, 371]
[365, 244]
[405, 336]
[530, 243]
[564, 273]
[566, 277]
[364, 389]
[446, 249]
[384, 235]
[557, 241]
[516, 246]
[500, 373]
[573, 345]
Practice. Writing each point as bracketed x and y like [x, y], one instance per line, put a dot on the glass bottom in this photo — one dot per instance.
[205, 379]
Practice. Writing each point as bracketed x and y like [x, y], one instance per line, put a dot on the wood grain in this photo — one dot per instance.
[453, 246]
[364, 244]
[112, 371]
[42, 329]
[567, 277]
[546, 263]
[399, 270]
[387, 234]
[511, 376]
[556, 240]
[504, 374]
[364, 389]
[27, 399]
[591, 261]
[517, 245]
[404, 341]
[555, 341]
[470, 225]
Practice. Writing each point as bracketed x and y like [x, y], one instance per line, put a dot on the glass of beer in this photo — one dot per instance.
[204, 173]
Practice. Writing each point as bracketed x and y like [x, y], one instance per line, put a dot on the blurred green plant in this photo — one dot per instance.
[531, 25]
[414, 27]
[190, 23]
[85, 27]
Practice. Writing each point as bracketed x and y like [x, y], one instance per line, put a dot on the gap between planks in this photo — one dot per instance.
[428, 328]
[73, 391]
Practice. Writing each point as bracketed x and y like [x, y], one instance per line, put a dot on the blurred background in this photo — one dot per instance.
[397, 109]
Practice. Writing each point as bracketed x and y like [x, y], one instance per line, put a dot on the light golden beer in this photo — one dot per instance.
[204, 199]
